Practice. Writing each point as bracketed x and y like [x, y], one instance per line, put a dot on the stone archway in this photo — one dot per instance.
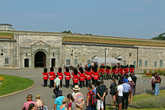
[40, 59]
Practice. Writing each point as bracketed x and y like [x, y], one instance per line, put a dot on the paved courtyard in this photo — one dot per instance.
[15, 102]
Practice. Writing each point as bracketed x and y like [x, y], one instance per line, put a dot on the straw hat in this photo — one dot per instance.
[129, 79]
[76, 88]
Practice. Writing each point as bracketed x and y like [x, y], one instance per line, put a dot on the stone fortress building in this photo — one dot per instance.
[28, 49]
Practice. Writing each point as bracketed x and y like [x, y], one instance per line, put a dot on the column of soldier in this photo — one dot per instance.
[84, 76]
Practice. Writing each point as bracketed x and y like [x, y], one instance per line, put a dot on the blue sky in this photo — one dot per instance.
[125, 18]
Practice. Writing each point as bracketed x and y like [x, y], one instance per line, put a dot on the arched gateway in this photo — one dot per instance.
[40, 59]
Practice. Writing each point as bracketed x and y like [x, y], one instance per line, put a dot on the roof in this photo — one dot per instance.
[6, 35]
[112, 40]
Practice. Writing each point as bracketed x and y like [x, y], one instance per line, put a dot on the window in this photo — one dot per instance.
[75, 61]
[140, 63]
[26, 62]
[89, 61]
[67, 61]
[6, 60]
[146, 63]
[161, 63]
[155, 64]
[134, 63]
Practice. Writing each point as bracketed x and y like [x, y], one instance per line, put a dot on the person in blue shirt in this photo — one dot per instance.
[58, 101]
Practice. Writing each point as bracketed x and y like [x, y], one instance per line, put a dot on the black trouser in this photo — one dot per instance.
[45, 83]
[81, 84]
[87, 83]
[125, 101]
[74, 84]
[55, 90]
[67, 83]
[61, 83]
[51, 83]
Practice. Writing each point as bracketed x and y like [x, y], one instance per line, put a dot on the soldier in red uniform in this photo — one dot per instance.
[82, 77]
[60, 75]
[52, 76]
[108, 72]
[67, 77]
[95, 76]
[75, 77]
[45, 77]
[102, 71]
[88, 76]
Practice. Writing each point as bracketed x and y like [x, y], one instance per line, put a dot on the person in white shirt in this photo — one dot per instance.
[120, 94]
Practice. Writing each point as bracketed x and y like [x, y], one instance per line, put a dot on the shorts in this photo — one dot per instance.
[100, 104]
[119, 99]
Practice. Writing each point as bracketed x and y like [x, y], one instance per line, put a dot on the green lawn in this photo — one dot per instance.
[147, 102]
[13, 83]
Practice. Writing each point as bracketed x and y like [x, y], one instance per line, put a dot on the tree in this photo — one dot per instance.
[159, 37]
[67, 31]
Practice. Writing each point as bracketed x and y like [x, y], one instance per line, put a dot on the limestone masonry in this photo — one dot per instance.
[26, 49]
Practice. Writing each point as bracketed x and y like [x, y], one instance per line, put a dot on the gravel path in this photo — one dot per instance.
[16, 101]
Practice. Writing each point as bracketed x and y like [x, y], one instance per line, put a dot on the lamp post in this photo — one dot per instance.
[105, 55]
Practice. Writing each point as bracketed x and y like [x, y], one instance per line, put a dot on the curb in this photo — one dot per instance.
[16, 92]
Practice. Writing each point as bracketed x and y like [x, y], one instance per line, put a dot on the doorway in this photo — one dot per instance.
[40, 59]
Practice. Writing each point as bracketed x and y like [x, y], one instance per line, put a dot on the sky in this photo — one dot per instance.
[120, 18]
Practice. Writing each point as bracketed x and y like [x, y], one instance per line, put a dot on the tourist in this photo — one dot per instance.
[32, 107]
[91, 99]
[64, 104]
[113, 91]
[39, 103]
[120, 94]
[58, 101]
[157, 84]
[67, 77]
[45, 77]
[134, 78]
[71, 104]
[60, 75]
[29, 101]
[57, 83]
[126, 93]
[52, 76]
[78, 97]
[153, 83]
[100, 95]
[132, 85]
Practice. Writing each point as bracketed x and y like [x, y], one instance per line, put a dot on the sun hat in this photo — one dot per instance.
[76, 88]
[129, 79]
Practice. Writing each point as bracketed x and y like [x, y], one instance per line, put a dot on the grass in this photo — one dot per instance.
[6, 35]
[13, 83]
[147, 102]
[112, 40]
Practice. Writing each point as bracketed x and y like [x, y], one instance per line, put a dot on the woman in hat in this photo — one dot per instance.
[78, 97]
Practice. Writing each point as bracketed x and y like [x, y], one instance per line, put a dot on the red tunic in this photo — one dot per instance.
[52, 76]
[82, 77]
[67, 75]
[88, 75]
[102, 71]
[75, 78]
[96, 75]
[60, 75]
[107, 71]
[45, 76]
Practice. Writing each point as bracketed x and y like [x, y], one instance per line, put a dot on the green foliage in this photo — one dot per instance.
[67, 31]
[13, 83]
[160, 37]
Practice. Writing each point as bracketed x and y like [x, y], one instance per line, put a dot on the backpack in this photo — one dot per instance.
[92, 98]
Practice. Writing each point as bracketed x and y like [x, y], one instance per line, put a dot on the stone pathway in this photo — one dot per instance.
[16, 101]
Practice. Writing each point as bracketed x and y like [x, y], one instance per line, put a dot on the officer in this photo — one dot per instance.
[75, 77]
[45, 77]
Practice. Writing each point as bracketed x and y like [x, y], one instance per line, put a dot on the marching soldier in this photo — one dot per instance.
[60, 75]
[88, 76]
[75, 77]
[52, 76]
[45, 77]
[82, 77]
[67, 77]
[108, 72]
